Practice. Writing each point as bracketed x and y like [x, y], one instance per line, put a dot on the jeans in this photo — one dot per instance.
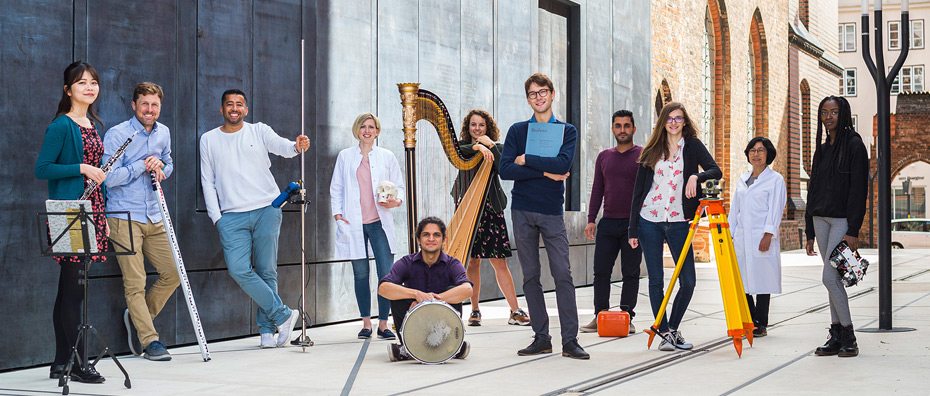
[611, 239]
[250, 239]
[527, 229]
[651, 237]
[375, 236]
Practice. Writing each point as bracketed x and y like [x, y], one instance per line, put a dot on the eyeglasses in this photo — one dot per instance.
[542, 93]
[677, 120]
[757, 151]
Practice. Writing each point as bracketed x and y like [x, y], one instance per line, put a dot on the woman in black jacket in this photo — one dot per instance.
[479, 136]
[836, 196]
[665, 198]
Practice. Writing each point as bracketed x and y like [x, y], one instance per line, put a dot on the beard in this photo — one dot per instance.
[628, 139]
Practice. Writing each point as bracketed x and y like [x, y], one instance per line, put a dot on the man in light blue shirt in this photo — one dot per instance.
[129, 188]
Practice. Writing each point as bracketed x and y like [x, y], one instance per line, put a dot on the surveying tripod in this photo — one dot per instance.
[735, 307]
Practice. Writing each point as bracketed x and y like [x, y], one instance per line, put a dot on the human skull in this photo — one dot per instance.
[386, 190]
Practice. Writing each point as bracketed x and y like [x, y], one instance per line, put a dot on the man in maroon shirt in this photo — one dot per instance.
[614, 176]
[429, 274]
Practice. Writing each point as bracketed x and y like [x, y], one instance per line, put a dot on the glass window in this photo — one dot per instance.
[847, 37]
[917, 34]
[909, 79]
[848, 83]
[894, 35]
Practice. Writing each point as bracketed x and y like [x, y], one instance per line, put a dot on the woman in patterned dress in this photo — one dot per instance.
[479, 134]
[69, 159]
[665, 204]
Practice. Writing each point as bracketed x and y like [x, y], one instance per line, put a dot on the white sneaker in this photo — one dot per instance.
[285, 329]
[665, 345]
[268, 341]
[680, 342]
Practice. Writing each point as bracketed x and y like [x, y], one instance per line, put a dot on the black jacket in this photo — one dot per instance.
[839, 184]
[694, 154]
[495, 193]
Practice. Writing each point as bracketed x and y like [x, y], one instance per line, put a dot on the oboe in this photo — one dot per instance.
[91, 185]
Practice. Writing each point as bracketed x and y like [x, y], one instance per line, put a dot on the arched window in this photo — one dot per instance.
[807, 139]
[751, 94]
[707, 103]
[760, 76]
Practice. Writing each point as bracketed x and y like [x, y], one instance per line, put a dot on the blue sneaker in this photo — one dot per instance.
[386, 334]
[156, 351]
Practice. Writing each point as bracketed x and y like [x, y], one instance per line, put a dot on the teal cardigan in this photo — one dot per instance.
[60, 159]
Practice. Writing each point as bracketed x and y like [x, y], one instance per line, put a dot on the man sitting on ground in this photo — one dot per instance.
[427, 275]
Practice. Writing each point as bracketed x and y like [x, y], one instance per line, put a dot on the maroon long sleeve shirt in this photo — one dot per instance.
[614, 177]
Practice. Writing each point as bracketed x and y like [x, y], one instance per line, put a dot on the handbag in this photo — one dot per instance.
[848, 263]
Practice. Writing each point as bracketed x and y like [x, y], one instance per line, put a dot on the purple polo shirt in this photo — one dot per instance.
[412, 272]
[614, 177]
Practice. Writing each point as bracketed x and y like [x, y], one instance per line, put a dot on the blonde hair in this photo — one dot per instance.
[357, 125]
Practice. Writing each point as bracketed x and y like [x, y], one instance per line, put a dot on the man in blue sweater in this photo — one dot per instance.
[538, 196]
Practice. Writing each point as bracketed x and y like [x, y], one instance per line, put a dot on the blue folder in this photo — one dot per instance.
[544, 139]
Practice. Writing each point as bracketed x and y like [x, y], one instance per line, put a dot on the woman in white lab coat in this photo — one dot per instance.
[755, 214]
[365, 227]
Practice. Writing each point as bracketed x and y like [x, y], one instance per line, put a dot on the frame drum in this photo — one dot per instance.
[432, 332]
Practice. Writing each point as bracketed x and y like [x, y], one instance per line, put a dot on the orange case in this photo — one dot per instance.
[613, 324]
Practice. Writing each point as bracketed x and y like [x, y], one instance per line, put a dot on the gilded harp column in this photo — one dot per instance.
[408, 99]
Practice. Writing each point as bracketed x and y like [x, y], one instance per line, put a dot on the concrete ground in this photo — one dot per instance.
[783, 362]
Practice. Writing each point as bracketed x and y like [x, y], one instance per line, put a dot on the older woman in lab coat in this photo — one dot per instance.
[365, 227]
[755, 214]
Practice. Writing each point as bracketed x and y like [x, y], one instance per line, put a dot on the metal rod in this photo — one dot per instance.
[883, 84]
[303, 210]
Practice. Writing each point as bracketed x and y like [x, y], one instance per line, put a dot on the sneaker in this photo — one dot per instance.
[134, 345]
[268, 341]
[284, 330]
[156, 351]
[519, 318]
[538, 346]
[87, 375]
[666, 346]
[573, 350]
[632, 328]
[463, 351]
[475, 318]
[590, 327]
[397, 352]
[760, 331]
[364, 334]
[386, 334]
[680, 342]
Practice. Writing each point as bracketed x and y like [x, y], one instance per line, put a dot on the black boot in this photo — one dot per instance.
[832, 347]
[848, 346]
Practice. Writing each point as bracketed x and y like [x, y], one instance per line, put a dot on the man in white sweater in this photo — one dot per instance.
[238, 189]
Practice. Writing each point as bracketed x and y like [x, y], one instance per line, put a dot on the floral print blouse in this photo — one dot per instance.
[663, 203]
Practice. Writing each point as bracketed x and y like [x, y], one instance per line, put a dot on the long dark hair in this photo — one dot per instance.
[73, 74]
[844, 131]
[657, 147]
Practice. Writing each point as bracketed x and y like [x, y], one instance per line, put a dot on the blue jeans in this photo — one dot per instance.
[375, 236]
[651, 237]
[250, 246]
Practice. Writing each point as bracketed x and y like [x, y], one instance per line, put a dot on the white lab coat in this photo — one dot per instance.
[754, 211]
[345, 199]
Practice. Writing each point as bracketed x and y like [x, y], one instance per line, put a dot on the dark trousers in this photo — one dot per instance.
[528, 227]
[759, 309]
[66, 315]
[399, 309]
[611, 239]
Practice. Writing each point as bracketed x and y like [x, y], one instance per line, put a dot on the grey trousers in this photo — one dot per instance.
[527, 228]
[830, 231]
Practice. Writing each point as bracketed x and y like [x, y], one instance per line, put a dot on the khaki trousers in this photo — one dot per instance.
[150, 242]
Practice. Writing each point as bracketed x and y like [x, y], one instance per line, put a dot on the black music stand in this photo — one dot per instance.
[85, 219]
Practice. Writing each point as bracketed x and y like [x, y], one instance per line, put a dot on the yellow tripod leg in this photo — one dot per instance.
[745, 315]
[671, 284]
[723, 249]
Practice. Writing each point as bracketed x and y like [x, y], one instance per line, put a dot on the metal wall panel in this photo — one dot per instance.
[473, 54]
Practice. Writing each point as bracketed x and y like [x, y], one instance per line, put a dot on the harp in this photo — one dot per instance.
[419, 104]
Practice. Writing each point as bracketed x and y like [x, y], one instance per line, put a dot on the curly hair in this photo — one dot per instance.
[492, 132]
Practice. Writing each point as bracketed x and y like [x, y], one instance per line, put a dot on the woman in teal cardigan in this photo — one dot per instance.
[70, 157]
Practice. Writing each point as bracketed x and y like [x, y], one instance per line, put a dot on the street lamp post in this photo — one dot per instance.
[883, 161]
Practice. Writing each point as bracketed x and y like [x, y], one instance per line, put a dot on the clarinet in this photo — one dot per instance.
[92, 185]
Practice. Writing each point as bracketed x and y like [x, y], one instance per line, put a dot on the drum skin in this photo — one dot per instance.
[432, 332]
